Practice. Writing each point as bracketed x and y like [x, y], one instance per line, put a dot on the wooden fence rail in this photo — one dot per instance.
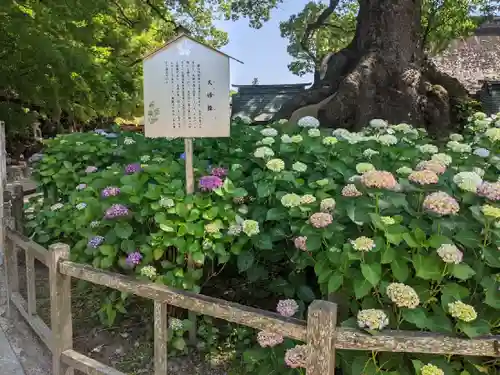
[320, 331]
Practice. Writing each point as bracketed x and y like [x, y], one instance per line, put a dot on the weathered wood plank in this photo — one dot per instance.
[416, 342]
[321, 325]
[17, 206]
[160, 332]
[87, 365]
[345, 338]
[217, 308]
[38, 325]
[11, 270]
[188, 162]
[30, 282]
[38, 251]
[60, 309]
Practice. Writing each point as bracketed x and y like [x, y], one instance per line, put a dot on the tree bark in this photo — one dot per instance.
[383, 73]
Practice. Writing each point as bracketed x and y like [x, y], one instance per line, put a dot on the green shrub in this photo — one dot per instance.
[403, 234]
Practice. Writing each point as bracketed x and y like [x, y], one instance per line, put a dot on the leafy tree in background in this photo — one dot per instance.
[73, 61]
[308, 48]
[382, 69]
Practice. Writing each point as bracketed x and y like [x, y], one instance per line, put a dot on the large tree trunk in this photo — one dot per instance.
[383, 73]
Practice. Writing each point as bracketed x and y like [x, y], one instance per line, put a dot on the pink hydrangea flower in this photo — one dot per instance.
[423, 177]
[287, 307]
[209, 183]
[219, 172]
[431, 165]
[321, 219]
[379, 180]
[297, 357]
[440, 203]
[350, 191]
[489, 190]
[269, 339]
[300, 243]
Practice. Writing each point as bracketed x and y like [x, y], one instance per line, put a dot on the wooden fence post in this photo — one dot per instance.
[160, 338]
[321, 324]
[17, 207]
[11, 273]
[60, 309]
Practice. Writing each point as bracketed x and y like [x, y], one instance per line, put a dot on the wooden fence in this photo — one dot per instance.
[320, 331]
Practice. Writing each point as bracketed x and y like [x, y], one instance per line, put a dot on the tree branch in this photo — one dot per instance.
[159, 12]
[312, 27]
[124, 17]
[430, 24]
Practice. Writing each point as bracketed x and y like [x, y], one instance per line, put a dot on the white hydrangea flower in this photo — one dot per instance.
[444, 159]
[308, 122]
[404, 128]
[299, 166]
[275, 165]
[341, 133]
[387, 140]
[428, 149]
[268, 141]
[269, 132]
[285, 138]
[364, 167]
[128, 141]
[297, 138]
[372, 319]
[56, 206]
[283, 121]
[368, 153]
[482, 152]
[313, 133]
[378, 123]
[478, 171]
[456, 137]
[329, 141]
[482, 124]
[468, 181]
[263, 152]
[459, 147]
[250, 227]
[245, 119]
[493, 134]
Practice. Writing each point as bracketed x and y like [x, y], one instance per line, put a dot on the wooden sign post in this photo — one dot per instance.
[186, 95]
[3, 185]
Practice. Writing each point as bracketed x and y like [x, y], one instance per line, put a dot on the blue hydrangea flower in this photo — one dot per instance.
[95, 242]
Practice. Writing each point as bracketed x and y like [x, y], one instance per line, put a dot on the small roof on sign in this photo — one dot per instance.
[184, 35]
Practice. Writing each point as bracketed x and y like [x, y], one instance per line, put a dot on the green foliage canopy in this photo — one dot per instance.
[76, 60]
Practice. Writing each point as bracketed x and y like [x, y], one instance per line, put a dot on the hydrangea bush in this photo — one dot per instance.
[402, 232]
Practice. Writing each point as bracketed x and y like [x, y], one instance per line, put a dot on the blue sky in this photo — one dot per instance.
[262, 50]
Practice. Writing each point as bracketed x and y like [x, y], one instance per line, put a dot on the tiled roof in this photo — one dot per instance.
[474, 59]
[261, 102]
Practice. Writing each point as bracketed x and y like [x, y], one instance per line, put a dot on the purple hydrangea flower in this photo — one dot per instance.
[95, 242]
[219, 172]
[116, 210]
[81, 186]
[110, 191]
[134, 258]
[183, 156]
[132, 168]
[90, 169]
[209, 183]
[111, 135]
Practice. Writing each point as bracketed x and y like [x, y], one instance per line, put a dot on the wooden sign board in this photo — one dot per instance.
[186, 91]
